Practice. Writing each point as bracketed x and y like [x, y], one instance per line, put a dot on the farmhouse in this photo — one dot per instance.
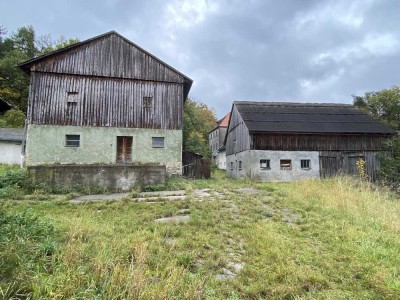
[291, 141]
[104, 111]
[216, 138]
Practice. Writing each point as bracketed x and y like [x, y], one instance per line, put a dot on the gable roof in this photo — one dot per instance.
[12, 134]
[223, 122]
[305, 118]
[27, 66]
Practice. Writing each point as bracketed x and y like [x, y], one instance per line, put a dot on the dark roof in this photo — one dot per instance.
[285, 117]
[11, 134]
[27, 64]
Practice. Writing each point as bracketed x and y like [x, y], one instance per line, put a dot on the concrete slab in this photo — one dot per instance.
[174, 219]
[99, 198]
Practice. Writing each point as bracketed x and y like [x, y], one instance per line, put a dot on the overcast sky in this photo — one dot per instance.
[260, 50]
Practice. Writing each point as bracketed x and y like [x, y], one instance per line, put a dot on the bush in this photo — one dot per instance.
[26, 242]
[13, 118]
[14, 181]
[390, 164]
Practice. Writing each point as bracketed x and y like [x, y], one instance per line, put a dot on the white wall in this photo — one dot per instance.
[251, 165]
[10, 152]
[222, 160]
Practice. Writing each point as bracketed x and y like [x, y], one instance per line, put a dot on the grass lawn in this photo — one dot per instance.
[333, 239]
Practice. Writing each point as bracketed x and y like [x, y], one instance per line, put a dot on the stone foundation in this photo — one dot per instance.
[110, 177]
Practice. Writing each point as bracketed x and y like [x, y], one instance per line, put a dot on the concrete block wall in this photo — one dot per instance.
[113, 178]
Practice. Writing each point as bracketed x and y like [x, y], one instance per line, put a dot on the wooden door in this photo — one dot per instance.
[124, 149]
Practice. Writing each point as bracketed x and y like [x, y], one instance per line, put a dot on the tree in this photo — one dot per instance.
[15, 49]
[384, 105]
[198, 120]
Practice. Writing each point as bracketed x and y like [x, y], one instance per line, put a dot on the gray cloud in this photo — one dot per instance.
[312, 50]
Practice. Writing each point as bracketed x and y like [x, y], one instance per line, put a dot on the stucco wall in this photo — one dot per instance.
[251, 165]
[46, 145]
[222, 160]
[10, 152]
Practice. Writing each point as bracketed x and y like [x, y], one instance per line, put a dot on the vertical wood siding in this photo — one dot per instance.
[344, 162]
[237, 139]
[110, 56]
[106, 102]
[316, 142]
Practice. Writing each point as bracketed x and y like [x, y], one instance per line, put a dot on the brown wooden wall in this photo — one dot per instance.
[108, 102]
[109, 56]
[296, 142]
[238, 138]
[332, 163]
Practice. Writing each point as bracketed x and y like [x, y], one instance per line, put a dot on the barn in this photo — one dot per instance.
[278, 141]
[106, 112]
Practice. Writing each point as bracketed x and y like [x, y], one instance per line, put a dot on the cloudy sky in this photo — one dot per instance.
[260, 50]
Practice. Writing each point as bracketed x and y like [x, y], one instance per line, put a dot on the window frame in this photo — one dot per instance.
[148, 101]
[154, 144]
[285, 161]
[267, 164]
[306, 162]
[240, 165]
[70, 142]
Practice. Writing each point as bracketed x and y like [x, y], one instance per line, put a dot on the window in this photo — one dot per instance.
[72, 97]
[286, 164]
[72, 140]
[305, 164]
[265, 164]
[148, 102]
[240, 165]
[231, 165]
[157, 142]
[124, 149]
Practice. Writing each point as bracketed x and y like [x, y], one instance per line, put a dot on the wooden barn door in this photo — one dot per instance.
[124, 149]
[329, 166]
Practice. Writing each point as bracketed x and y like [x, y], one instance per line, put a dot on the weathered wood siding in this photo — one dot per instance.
[237, 139]
[333, 163]
[109, 56]
[315, 142]
[107, 102]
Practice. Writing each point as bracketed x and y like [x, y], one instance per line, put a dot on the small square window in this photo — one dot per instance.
[265, 164]
[157, 142]
[72, 140]
[72, 97]
[148, 102]
[286, 164]
[240, 165]
[305, 164]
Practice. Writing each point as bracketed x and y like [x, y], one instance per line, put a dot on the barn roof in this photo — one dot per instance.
[283, 117]
[27, 65]
[11, 134]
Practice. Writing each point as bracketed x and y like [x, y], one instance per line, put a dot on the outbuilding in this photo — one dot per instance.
[279, 141]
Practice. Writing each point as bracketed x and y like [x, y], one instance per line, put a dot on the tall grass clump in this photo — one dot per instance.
[26, 246]
[14, 181]
[351, 196]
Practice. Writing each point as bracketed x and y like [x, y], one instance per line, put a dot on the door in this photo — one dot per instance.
[124, 149]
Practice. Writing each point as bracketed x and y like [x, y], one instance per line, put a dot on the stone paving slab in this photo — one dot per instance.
[99, 198]
[174, 219]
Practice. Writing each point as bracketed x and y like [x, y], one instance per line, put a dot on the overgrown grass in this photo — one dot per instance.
[333, 239]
